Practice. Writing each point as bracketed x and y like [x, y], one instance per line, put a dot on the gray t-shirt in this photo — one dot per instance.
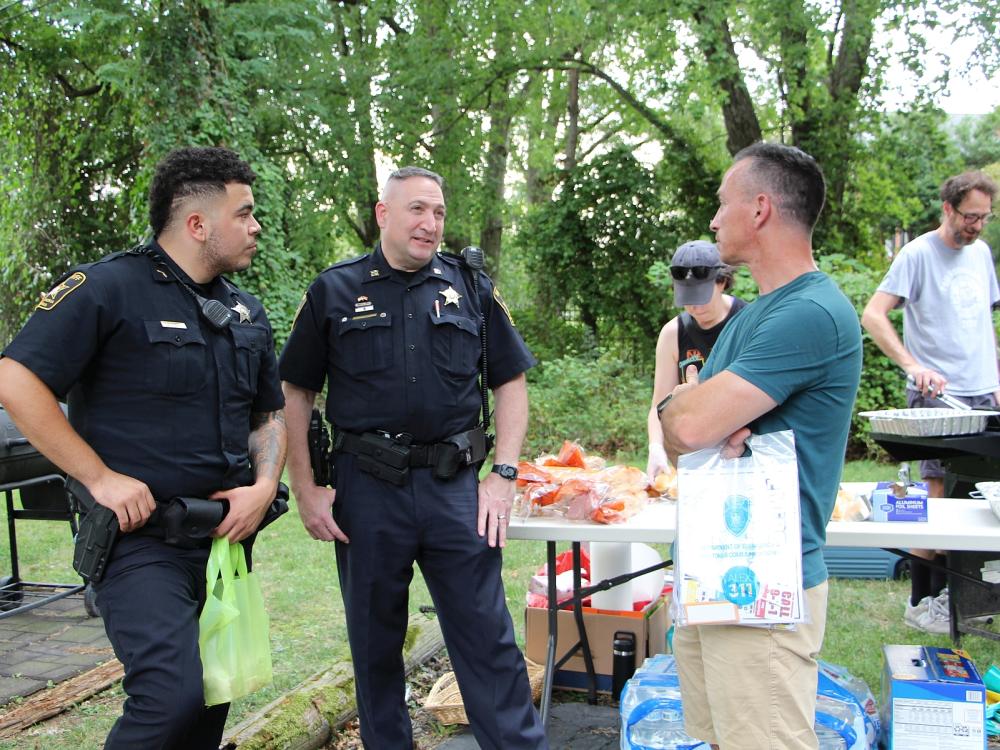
[947, 299]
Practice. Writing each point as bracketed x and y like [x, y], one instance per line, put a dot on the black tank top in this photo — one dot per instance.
[695, 343]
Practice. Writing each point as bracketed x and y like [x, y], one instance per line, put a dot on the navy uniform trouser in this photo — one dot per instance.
[150, 598]
[432, 523]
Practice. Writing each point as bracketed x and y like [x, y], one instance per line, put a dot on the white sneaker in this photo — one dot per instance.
[978, 620]
[937, 619]
[914, 613]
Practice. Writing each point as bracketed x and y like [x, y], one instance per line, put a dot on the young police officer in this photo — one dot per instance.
[396, 334]
[162, 403]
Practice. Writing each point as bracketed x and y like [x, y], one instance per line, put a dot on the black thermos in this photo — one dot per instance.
[623, 662]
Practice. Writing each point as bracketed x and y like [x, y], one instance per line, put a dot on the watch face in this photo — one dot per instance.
[506, 471]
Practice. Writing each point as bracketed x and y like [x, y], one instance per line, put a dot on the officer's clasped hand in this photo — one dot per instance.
[130, 499]
[247, 506]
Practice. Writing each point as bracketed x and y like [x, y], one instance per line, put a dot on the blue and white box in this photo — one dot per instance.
[892, 501]
[932, 699]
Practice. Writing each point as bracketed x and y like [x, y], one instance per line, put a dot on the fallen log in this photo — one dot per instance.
[47, 703]
[306, 717]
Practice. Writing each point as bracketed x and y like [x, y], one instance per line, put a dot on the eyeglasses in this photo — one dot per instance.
[698, 272]
[974, 218]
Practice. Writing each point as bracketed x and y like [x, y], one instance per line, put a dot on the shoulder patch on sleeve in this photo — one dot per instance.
[503, 305]
[298, 310]
[61, 290]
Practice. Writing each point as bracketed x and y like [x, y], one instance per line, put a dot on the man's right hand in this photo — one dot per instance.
[929, 382]
[129, 498]
[315, 505]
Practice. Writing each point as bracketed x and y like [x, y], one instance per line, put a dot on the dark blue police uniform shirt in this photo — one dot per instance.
[401, 351]
[153, 389]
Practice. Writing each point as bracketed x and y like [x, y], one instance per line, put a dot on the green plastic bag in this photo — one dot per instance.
[233, 627]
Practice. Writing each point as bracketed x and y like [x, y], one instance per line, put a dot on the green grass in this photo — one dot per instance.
[868, 471]
[308, 633]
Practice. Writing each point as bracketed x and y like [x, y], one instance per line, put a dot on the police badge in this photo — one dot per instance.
[736, 512]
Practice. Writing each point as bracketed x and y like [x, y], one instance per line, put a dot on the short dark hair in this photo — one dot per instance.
[725, 277]
[955, 188]
[792, 176]
[191, 171]
[405, 173]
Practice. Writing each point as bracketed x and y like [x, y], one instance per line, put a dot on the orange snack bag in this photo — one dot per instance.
[571, 454]
[541, 494]
[529, 473]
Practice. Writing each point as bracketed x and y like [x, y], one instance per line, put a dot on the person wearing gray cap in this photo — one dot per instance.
[700, 282]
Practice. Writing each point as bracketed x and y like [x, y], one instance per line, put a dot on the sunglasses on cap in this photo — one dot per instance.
[680, 273]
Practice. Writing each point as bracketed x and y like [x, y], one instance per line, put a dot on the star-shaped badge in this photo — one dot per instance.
[451, 296]
[243, 311]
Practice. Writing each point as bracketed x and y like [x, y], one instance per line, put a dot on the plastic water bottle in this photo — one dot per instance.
[829, 739]
[665, 735]
[651, 710]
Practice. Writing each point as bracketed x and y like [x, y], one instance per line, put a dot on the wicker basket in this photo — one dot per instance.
[445, 701]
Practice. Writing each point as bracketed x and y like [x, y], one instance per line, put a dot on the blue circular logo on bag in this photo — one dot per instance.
[739, 585]
[736, 512]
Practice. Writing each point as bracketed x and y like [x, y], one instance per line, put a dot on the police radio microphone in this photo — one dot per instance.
[214, 312]
[474, 257]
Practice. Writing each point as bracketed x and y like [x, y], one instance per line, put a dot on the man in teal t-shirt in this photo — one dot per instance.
[790, 360]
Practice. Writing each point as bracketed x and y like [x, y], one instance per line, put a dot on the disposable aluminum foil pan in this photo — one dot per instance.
[989, 491]
[927, 422]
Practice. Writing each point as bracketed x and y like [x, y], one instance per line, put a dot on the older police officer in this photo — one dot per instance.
[395, 334]
[162, 403]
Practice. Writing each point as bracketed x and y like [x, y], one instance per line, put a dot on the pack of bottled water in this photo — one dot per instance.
[652, 716]
[846, 712]
[651, 713]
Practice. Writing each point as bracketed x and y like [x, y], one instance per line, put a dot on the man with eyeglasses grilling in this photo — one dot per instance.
[946, 284]
[701, 281]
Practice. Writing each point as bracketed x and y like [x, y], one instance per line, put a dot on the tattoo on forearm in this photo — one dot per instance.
[267, 443]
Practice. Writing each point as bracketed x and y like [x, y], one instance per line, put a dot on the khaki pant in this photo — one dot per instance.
[747, 688]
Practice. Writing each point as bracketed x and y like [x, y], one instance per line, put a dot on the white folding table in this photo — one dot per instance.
[958, 525]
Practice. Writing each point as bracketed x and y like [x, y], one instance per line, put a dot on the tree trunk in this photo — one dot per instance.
[572, 119]
[306, 717]
[716, 42]
[491, 235]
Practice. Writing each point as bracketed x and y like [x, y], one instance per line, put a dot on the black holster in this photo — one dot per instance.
[188, 521]
[458, 451]
[379, 454]
[320, 456]
[96, 534]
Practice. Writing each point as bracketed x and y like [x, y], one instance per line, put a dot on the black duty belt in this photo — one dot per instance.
[182, 522]
[390, 457]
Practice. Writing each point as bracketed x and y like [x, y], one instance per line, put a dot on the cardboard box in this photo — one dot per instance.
[932, 699]
[649, 627]
[887, 506]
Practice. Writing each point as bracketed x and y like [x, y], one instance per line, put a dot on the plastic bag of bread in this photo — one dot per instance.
[665, 482]
[620, 507]
[851, 506]
[581, 487]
